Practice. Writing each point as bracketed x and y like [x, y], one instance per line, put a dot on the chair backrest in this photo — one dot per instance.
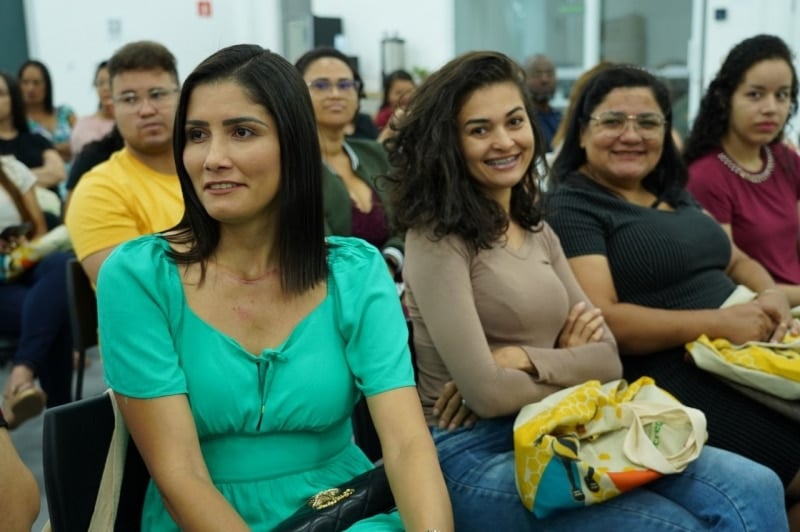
[82, 316]
[77, 436]
[82, 306]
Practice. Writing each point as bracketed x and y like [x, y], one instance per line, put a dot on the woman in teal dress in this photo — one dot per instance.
[238, 343]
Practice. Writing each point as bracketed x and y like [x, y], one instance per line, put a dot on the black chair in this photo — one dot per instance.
[76, 440]
[82, 317]
[77, 436]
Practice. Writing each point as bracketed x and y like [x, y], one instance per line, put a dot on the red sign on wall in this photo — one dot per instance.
[204, 8]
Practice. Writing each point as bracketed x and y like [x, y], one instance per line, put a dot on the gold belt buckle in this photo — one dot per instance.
[329, 497]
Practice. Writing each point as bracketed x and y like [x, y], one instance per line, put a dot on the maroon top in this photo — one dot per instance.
[371, 226]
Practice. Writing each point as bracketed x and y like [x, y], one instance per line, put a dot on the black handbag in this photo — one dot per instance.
[339, 508]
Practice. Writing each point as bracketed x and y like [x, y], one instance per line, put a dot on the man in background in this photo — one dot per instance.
[542, 83]
[136, 192]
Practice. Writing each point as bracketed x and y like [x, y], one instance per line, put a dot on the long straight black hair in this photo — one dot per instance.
[270, 81]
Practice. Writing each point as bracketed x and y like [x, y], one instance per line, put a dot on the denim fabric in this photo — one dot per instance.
[719, 491]
[35, 308]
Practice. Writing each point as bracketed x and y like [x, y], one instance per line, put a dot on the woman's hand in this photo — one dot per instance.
[746, 322]
[776, 305]
[452, 410]
[583, 326]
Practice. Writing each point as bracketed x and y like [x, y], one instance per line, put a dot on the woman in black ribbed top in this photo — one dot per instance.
[659, 267]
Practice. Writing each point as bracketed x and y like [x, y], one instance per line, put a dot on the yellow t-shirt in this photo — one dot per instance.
[119, 200]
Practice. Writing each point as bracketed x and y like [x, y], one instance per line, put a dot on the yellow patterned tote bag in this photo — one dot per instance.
[588, 443]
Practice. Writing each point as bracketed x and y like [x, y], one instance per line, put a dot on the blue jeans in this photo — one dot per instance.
[719, 491]
[35, 308]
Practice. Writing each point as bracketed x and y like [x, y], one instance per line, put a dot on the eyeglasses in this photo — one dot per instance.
[326, 85]
[158, 97]
[648, 125]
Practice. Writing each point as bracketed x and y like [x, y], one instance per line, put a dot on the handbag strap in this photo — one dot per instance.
[105, 507]
[640, 449]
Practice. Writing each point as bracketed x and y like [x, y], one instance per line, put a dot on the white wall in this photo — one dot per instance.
[426, 26]
[746, 18]
[72, 36]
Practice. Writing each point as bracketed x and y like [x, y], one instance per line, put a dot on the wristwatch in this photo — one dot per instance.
[3, 422]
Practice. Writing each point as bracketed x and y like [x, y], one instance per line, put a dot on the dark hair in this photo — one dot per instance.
[48, 82]
[270, 81]
[16, 196]
[388, 81]
[431, 185]
[669, 170]
[713, 117]
[574, 93]
[321, 52]
[142, 55]
[100, 66]
[19, 118]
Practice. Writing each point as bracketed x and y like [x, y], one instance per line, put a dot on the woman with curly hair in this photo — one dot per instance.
[500, 321]
[740, 169]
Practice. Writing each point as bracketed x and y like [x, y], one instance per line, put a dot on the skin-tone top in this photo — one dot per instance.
[463, 305]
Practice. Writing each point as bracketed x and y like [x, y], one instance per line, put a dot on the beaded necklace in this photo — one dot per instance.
[760, 177]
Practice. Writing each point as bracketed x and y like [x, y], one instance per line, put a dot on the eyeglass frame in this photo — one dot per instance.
[156, 96]
[349, 84]
[643, 132]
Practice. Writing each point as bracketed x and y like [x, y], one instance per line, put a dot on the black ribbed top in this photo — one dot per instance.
[661, 259]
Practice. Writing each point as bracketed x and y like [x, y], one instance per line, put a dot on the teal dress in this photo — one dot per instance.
[274, 429]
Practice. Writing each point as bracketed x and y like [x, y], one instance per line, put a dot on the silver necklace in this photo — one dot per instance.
[760, 177]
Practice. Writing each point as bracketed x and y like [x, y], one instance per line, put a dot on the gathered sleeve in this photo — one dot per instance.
[371, 318]
[138, 290]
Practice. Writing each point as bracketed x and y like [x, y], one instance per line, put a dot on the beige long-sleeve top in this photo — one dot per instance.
[464, 304]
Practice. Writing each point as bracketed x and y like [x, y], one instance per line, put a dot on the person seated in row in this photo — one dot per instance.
[496, 310]
[136, 192]
[355, 204]
[46, 119]
[98, 124]
[238, 342]
[397, 88]
[33, 307]
[17, 139]
[92, 154]
[19, 494]
[658, 266]
[542, 83]
[740, 170]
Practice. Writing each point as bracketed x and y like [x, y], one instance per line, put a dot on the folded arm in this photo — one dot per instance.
[641, 330]
[52, 171]
[446, 303]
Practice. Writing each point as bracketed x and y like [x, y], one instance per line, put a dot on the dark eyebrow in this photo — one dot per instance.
[243, 120]
[229, 121]
[763, 88]
[472, 121]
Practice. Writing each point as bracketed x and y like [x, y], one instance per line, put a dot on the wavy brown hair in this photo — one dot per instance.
[431, 186]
